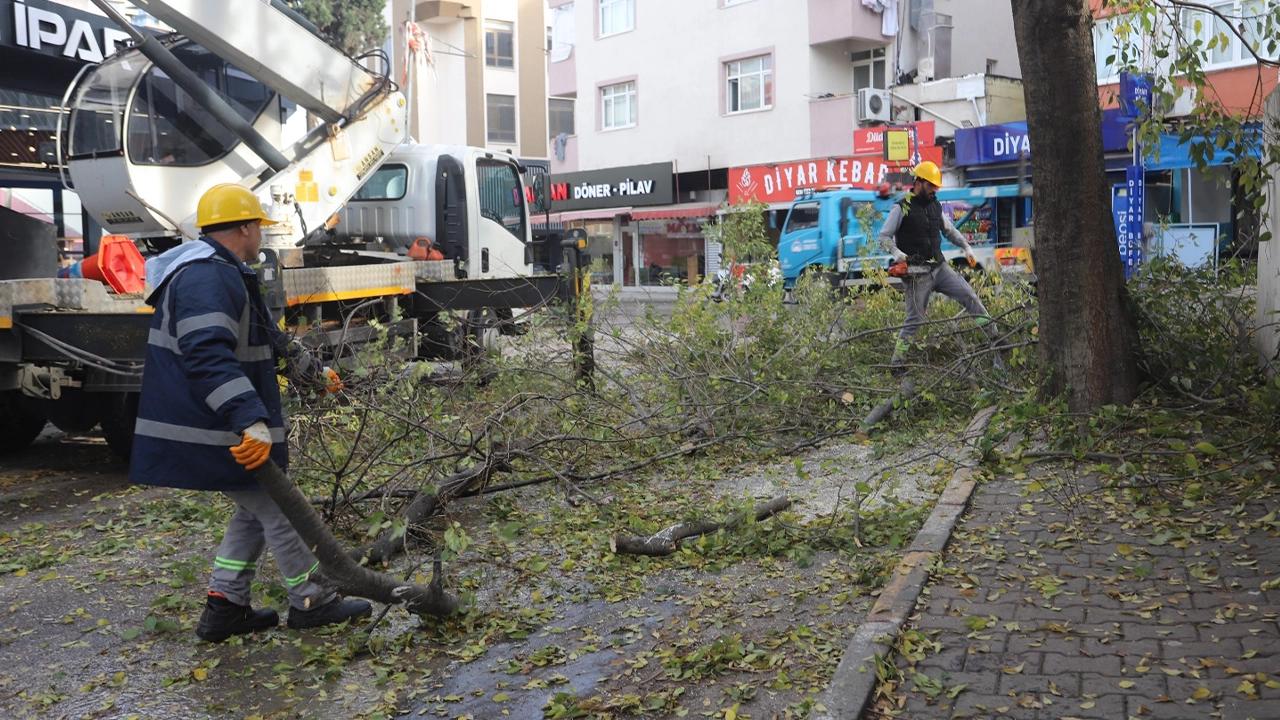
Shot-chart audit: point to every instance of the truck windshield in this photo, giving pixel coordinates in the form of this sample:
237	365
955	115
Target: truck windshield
802	217
502	195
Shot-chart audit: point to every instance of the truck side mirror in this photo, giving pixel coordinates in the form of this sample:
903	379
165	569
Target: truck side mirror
540	182
845	205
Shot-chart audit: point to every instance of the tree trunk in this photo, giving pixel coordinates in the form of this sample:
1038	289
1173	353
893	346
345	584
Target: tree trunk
1088	338
337	567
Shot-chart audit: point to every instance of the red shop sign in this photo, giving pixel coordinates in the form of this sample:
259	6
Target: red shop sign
870	140
778	182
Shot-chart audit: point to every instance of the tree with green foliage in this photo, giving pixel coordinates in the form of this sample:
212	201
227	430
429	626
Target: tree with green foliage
355	26
1088	338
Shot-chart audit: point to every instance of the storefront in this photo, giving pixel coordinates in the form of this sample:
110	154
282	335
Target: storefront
636	234
1176	194
43	45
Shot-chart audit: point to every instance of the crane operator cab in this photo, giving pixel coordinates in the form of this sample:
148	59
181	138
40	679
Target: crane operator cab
140	151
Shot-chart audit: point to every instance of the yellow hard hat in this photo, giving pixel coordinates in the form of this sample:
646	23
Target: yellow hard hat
929	172
228	203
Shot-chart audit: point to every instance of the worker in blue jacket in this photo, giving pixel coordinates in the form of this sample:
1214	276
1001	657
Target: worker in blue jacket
210	412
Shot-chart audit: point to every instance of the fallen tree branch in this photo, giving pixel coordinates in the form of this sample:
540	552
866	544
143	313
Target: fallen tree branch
423	505
882	411
337	567
668	541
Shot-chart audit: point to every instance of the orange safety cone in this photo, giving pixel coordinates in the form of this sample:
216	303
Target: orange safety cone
117	263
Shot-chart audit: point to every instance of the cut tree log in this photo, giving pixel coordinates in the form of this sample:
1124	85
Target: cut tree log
668	541
336	565
885	408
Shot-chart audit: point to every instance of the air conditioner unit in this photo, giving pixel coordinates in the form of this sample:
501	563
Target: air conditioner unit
873	105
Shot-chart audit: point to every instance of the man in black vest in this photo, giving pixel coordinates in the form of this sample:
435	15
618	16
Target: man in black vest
913	234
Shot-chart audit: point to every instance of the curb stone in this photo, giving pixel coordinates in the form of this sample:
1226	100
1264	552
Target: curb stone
855	677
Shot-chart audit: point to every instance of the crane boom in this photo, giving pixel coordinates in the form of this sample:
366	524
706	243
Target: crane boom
267	44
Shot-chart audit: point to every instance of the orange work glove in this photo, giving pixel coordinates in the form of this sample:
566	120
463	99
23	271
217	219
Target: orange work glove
898	269
333	381
255	446
973	259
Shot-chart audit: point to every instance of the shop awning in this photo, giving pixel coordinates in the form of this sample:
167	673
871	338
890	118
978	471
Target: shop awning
598	214
673	212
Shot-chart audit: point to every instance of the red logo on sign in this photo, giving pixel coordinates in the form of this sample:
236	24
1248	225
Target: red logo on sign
559	192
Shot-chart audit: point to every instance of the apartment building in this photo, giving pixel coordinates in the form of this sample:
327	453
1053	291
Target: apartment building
478	75
1181	198
667	110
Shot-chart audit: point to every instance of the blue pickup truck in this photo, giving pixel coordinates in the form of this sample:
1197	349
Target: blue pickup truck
834	231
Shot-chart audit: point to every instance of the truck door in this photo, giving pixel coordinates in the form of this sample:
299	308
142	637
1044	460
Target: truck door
504	220
800	244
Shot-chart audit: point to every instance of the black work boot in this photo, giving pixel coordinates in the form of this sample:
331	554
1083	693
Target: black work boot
331	613
222	618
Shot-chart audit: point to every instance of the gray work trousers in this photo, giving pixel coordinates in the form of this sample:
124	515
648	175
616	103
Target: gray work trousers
918	288
257	523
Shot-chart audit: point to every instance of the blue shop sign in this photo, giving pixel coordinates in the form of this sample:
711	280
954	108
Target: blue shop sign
1135	95
1005	142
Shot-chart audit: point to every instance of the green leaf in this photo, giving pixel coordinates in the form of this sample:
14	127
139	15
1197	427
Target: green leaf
1207	448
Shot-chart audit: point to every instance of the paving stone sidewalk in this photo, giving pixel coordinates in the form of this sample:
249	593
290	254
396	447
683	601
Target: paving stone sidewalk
1107	610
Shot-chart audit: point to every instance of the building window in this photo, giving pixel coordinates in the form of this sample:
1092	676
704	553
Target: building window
1107	48
617	16
500	110
618	105
560	116
869	69
499	46
749	84
1228	48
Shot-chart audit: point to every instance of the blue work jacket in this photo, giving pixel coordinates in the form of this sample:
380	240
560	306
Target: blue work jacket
210	371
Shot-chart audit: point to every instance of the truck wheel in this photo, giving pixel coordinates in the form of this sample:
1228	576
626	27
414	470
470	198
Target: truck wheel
119	413
74	412
475	334
19	422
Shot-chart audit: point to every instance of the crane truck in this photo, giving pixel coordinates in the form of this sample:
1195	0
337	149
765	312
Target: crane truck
434	243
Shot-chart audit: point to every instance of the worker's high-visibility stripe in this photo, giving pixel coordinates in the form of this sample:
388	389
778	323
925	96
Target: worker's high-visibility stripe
299	579
236	565
254	353
222	394
195	436
208	320
162	339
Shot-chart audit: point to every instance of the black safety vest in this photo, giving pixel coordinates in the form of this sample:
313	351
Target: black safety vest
920	233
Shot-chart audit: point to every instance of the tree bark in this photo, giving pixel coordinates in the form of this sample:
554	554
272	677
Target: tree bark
1088	337
878	414
420	508
337	567
667	541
